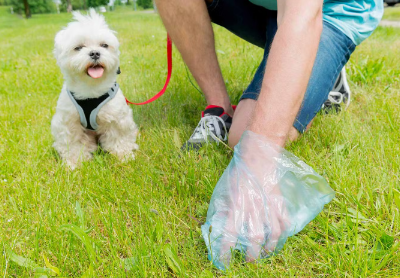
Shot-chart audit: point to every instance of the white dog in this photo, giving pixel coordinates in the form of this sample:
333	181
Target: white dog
91	108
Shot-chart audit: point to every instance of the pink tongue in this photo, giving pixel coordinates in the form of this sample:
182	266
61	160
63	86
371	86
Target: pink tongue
96	72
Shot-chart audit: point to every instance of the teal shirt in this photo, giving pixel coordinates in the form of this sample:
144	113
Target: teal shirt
357	19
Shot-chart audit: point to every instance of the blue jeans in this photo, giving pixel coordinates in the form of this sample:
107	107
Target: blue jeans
258	26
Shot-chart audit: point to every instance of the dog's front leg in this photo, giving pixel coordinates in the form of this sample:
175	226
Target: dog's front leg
119	138
72	142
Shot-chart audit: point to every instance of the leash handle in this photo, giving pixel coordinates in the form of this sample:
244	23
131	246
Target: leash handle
159	94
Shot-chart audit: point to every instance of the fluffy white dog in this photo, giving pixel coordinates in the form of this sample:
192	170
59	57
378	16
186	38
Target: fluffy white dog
91	108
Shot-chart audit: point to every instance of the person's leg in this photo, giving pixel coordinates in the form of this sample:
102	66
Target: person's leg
189	25
334	51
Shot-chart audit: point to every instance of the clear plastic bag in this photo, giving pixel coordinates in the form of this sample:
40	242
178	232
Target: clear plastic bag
264	196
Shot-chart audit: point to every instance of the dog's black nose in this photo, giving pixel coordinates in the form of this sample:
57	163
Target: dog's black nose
94	54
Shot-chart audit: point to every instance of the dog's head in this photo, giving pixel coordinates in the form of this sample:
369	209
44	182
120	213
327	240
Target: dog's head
87	50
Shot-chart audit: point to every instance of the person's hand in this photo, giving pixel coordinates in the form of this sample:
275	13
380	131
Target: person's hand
265	195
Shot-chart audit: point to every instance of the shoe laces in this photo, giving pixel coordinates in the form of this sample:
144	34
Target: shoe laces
335	97
208	126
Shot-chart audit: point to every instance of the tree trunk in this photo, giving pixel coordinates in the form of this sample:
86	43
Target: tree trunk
69	6
27	9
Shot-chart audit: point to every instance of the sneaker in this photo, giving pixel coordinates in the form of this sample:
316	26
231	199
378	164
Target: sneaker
340	94
213	127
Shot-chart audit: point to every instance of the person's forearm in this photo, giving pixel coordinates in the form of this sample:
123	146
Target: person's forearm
286	77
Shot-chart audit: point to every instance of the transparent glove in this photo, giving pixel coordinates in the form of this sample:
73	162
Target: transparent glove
264	196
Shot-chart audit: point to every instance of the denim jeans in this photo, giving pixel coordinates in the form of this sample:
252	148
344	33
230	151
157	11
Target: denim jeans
258	26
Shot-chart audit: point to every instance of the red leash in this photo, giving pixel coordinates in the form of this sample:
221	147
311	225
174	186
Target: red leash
159	94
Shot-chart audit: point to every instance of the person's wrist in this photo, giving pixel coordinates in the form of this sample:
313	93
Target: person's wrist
278	138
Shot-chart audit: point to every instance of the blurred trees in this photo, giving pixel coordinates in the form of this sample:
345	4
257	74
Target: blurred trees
5	2
145	4
97	3
48	6
29	7
81	4
70	5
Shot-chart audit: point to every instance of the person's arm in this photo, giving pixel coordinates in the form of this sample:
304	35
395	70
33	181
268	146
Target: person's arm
288	70
254	206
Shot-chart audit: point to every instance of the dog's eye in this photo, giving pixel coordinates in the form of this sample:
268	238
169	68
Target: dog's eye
78	48
104	45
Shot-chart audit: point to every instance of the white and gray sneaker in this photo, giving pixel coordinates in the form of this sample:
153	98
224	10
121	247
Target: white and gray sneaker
340	94
212	128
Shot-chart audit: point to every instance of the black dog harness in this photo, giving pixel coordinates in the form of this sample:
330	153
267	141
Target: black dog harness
90	107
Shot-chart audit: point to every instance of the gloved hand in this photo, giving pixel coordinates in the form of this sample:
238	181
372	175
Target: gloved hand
264	196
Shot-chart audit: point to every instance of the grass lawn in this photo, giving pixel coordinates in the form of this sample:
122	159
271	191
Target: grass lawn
392	13
141	219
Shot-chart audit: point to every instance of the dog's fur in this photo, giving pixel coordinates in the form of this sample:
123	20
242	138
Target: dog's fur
117	131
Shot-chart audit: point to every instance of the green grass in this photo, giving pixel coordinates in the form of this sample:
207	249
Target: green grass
392	13
141	219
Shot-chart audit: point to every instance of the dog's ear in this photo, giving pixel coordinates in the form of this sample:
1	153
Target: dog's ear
118	71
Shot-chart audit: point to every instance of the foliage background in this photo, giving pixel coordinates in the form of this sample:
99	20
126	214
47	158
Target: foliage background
145	4
48	6
36	6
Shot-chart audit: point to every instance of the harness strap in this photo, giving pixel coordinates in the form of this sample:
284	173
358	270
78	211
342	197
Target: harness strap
159	94
89	108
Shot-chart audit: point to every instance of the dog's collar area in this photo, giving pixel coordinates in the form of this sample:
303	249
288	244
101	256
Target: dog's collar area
90	107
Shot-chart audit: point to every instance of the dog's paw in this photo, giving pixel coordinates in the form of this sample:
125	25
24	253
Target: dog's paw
74	162
124	154
71	165
126	157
